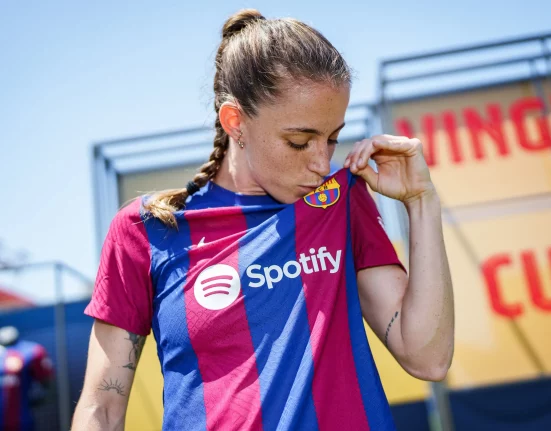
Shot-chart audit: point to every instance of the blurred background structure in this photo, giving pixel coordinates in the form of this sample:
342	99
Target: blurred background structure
481	106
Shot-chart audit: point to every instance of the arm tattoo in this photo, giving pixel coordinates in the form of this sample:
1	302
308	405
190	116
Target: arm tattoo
388	328
137	345
116	386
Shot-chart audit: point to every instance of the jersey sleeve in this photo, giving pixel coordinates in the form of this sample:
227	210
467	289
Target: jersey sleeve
123	291
370	243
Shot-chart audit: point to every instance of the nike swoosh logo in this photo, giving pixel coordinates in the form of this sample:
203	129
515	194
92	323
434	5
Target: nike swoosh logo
201	243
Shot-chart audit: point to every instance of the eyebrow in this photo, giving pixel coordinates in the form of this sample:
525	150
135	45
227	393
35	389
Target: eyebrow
310	131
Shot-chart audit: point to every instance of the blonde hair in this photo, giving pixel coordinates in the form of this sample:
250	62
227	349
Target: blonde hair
255	56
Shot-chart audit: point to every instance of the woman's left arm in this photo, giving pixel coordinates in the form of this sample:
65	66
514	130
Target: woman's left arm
413	316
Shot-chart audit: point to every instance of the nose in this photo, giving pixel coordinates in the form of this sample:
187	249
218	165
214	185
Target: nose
320	161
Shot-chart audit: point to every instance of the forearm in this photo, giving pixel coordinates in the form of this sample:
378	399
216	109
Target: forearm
97	418
427	315
113	356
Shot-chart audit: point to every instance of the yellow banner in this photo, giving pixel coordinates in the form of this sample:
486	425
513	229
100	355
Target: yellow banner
483	145
502	285
489	153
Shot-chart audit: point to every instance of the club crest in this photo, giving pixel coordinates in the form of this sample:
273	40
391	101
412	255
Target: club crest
325	195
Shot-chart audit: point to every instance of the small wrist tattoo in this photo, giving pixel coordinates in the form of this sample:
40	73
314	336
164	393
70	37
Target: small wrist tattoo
388	327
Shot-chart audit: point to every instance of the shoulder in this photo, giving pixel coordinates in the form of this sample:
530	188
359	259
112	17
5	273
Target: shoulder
355	185
128	222
345	178
133	211
131	214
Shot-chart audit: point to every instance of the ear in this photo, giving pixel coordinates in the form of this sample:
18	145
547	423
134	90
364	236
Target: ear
230	118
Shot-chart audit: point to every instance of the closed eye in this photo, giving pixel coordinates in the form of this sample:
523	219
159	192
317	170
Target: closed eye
297	146
304	146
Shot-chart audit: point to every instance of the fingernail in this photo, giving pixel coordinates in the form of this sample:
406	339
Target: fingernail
360	161
353	167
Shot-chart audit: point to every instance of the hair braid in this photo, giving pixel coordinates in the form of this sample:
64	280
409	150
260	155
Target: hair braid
163	204
209	170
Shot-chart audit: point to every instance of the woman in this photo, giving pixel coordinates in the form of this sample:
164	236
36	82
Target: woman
255	277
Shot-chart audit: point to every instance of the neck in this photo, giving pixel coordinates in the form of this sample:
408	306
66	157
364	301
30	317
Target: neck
235	175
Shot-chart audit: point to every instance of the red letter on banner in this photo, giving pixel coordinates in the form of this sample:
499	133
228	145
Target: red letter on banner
403	127
534	281
427	124
451	128
493	127
518	113
489	269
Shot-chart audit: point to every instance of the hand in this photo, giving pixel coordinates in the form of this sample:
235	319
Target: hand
402	173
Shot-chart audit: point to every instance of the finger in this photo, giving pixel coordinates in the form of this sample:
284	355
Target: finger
365	154
347	161
352	157
371	177
394	145
352	154
389	137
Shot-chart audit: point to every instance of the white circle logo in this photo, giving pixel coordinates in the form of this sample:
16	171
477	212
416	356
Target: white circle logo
217	287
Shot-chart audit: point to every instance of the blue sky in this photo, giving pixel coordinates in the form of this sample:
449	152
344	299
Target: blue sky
73	73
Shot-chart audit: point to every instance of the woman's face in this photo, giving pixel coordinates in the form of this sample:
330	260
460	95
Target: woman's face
289	143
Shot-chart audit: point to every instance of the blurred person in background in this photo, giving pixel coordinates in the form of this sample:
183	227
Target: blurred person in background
26	374
256	276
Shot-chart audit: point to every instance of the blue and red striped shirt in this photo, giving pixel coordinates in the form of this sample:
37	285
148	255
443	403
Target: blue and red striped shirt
254	307
21	364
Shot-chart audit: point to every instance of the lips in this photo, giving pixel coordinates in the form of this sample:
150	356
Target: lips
308	189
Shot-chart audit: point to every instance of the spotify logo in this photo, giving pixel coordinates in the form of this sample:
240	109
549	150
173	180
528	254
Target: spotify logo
217	287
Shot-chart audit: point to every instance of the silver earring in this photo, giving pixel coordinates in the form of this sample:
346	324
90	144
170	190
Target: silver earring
241	144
